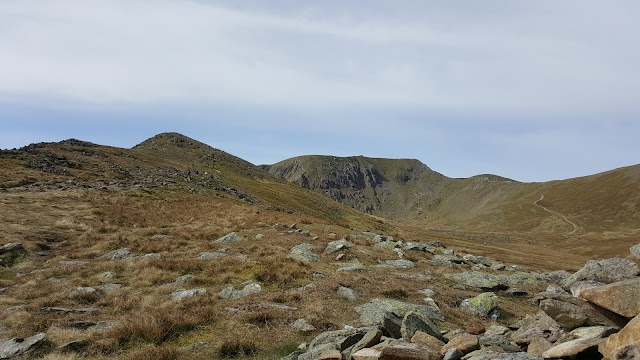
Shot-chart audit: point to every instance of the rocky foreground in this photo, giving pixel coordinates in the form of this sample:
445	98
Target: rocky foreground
592	314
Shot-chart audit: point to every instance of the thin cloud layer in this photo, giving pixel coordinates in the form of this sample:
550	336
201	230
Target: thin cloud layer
502	55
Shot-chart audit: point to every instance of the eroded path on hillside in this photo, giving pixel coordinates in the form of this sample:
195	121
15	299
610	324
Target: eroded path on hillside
536	203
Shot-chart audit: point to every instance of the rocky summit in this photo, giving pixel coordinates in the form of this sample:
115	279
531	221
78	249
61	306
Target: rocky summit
176	250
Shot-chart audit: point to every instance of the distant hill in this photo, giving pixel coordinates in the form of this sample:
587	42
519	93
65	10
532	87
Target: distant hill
408	190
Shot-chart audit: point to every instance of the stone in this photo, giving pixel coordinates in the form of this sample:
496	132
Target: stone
294	355
480	305
105	275
628	352
629	335
422	338
352	268
151	256
498	341
330	355
537	326
366	354
371	338
335	246
571	348
499	329
393	325
408	351
538	346
347	293
414	322
486	281
571	312
228	239
453	354
482	260
622	297
427	292
466	343
182	294
304	252
445	260
75	346
18	346
396	264
303	326
486	354
578	287
232	294
635	251
11	253
259	237
373	312
120	254
211	255
593	332
606	271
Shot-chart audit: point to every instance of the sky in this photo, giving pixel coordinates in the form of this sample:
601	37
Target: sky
530	90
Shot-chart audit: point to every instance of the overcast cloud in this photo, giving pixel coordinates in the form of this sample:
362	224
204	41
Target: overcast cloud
529	89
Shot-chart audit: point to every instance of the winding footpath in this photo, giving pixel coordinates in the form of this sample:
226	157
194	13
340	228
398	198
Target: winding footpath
575	227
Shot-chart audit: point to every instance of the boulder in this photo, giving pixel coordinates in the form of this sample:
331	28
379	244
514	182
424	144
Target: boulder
486	354
535	327
182	294
371	338
538	346
373	312
573	348
571	312
233	294
605	271
347	293
593	332
422	338
18	346
498	341
466	343
629	336
366	354
408	351
393	325
414	322
486	281
453	354
330	355
228	239
622	297
480	305
304	252
635	251
335	246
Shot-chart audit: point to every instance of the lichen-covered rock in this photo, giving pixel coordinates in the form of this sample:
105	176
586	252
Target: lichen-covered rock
480	305
304	252
605	271
11	253
373	312
120	254
396	264
347	293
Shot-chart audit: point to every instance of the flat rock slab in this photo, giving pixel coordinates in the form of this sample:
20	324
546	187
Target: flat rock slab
366	354
571	348
70	310
622	297
232	294
182	294
17	346
408	351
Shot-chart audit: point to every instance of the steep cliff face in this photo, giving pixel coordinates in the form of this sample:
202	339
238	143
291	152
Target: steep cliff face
393	188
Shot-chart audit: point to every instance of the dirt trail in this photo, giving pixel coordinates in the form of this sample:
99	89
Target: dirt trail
536	203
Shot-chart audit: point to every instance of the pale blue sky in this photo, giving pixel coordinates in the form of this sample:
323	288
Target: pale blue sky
532	90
